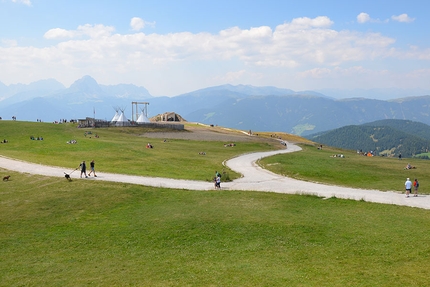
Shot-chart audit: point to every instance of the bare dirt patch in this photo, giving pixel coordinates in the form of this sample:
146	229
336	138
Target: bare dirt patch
205	133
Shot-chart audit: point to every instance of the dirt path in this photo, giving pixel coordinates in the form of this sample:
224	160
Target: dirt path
254	179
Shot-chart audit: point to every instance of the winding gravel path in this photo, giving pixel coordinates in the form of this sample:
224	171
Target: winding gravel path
254	178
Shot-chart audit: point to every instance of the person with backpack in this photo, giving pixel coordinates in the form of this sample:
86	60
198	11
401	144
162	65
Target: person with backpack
416	185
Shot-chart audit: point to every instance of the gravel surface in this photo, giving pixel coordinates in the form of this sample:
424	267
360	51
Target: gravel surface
203	133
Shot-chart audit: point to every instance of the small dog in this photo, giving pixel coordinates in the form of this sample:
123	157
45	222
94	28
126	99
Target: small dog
6	178
67	176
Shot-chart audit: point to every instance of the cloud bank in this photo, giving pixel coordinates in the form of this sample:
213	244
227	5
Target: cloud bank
304	48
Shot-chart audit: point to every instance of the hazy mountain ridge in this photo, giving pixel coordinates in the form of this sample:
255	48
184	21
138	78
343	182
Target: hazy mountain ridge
242	106
20	92
80	100
376	93
384	137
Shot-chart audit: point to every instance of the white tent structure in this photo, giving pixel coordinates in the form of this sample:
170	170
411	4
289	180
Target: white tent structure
115	118
142	118
122	119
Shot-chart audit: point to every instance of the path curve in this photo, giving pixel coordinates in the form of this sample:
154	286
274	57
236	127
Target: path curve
254	178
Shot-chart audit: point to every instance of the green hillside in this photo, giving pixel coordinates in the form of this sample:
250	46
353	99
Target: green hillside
97	233
123	149
410	127
385	138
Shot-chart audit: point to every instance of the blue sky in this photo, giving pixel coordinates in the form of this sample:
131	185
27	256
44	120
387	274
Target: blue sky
174	47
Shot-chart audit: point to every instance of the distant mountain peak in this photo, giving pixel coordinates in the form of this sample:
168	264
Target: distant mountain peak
87	84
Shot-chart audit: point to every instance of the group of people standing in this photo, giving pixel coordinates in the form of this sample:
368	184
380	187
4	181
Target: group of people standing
408	187
83	167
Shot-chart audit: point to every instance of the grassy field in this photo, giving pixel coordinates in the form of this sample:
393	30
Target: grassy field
121	150
56	233
353	170
80	233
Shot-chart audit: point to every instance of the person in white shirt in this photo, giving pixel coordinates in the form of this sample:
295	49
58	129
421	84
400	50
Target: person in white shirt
408	187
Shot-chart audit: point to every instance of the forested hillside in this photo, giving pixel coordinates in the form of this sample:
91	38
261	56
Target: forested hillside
410	127
385	137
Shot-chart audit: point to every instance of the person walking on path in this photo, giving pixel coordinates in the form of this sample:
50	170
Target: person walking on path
217	179
83	168
408	187
92	164
218	182
416	185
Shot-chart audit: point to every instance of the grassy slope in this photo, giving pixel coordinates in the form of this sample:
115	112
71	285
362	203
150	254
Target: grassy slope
56	233
354	170
120	150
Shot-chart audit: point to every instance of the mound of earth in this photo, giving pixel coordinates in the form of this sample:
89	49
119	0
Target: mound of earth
168	117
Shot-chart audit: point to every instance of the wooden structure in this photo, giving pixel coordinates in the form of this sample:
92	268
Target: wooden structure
135	110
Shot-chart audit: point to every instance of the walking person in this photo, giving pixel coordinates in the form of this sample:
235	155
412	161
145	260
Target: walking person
218	182
217	179
83	168
408	187
416	185
92	164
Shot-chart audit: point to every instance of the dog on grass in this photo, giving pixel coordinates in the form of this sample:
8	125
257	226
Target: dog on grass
6	178
67	176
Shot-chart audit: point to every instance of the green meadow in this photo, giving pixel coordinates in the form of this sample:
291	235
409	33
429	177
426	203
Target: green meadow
94	233
121	150
353	170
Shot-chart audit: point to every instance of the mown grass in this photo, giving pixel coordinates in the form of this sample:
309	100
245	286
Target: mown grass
59	233
380	173
121	150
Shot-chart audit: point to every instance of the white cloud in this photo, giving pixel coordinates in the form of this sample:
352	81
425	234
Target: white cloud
363	18
26	2
292	44
59	33
318	22
404	18
137	24
92	31
306	47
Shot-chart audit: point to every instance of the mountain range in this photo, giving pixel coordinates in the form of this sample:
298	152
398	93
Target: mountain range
242	107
